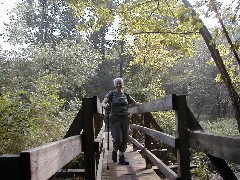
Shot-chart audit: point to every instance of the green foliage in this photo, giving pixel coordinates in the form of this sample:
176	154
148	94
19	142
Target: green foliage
24	114
93	14
150	57
166	121
158	34
71	63
40	22
221	126
46	95
77	162
231	66
170	20
201	161
35	85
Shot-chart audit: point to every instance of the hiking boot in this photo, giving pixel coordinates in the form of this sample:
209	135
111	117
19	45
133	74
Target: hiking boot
114	156
122	160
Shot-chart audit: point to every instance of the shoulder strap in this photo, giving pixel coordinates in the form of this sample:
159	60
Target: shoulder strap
128	97
111	94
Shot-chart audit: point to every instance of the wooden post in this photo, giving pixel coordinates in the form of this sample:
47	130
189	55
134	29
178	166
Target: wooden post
183	154
134	135
25	172
97	124
10	166
97	127
88	138
147	141
98	115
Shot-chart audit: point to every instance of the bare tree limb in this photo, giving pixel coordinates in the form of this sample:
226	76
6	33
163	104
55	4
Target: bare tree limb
220	65
162	32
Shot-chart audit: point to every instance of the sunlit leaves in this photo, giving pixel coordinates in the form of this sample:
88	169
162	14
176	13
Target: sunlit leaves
231	65
223	126
167	121
23	112
161	33
147	50
93	14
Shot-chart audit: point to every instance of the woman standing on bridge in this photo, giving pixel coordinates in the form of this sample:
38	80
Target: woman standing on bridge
119	118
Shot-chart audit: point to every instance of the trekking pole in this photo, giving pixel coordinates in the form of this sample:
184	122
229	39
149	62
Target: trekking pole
108	112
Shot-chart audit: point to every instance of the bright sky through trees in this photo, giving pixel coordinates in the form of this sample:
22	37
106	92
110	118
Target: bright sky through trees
7	6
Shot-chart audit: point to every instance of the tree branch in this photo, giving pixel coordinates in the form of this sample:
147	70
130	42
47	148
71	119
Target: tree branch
163	32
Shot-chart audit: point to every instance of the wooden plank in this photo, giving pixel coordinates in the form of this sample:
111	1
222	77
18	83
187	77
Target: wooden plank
98	142
44	161
134	132
10	166
227	148
183	153
220	164
169	140
102	156
98	122
155	126
169	173
147	142
98	108
135	170
162	104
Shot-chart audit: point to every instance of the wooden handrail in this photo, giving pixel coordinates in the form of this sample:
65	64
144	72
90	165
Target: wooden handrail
167	139
217	148
163	104
41	162
44	161
223	147
157	162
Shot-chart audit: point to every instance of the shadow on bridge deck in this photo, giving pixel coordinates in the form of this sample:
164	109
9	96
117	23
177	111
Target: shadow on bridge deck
136	170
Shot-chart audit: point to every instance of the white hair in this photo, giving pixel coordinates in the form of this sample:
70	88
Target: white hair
117	80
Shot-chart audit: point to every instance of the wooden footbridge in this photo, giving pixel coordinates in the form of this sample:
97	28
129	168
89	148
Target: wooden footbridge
87	136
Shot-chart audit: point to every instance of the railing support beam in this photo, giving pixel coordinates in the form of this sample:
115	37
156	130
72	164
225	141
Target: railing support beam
183	154
88	138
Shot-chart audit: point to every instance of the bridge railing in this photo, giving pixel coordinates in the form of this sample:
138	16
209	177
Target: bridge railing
41	162
85	135
189	134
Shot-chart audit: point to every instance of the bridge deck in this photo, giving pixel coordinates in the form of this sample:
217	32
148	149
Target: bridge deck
136	170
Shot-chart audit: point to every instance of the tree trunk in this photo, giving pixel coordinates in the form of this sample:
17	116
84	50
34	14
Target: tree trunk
220	65
121	59
214	8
